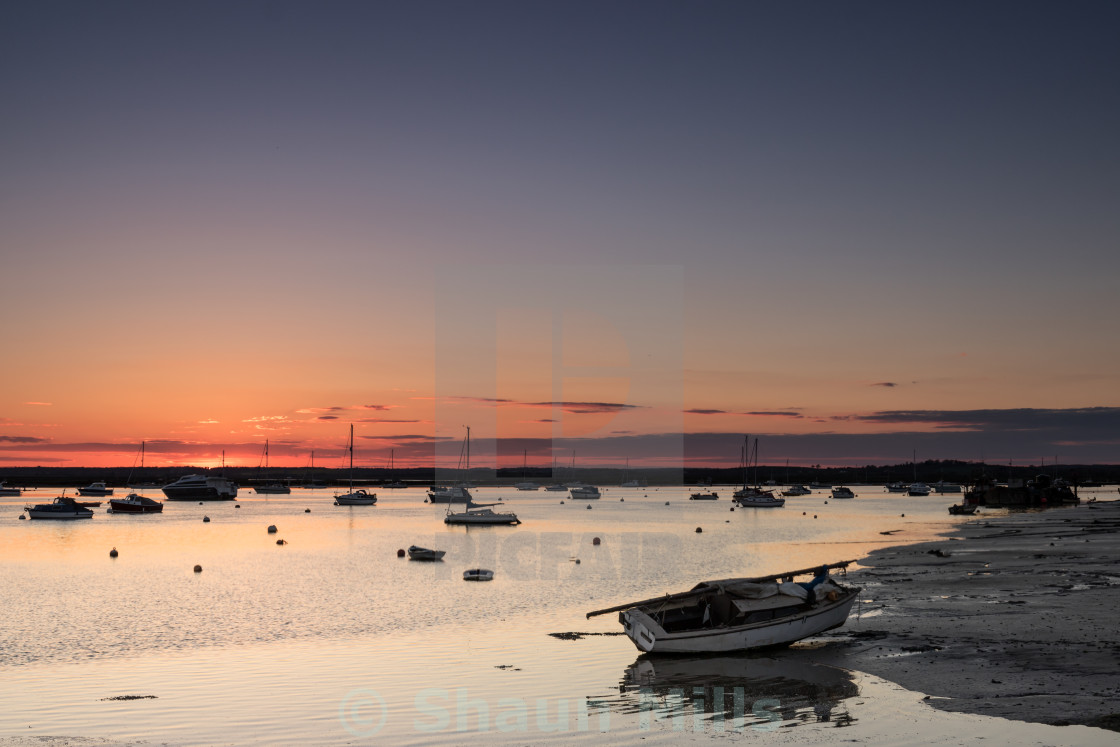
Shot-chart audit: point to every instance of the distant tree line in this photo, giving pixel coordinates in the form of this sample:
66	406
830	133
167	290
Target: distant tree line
929	471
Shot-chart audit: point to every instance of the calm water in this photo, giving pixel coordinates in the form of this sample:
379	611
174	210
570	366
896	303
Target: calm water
333	639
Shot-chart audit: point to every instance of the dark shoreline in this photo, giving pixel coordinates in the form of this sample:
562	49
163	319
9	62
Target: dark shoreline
1016	616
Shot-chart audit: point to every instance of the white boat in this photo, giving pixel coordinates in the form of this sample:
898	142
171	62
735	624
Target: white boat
759	499
449	494
478	574
95	488
754	497
455	493
795	490
61	508
586	493
738	614
7	491
840	492
897	487
359	497
201	488
476	516
135	504
422	553
555	488
918	488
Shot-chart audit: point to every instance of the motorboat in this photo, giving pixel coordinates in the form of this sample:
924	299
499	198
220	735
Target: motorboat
274	488
478	574
422	553
918	488
61	508
359	497
585	492
95	488
704	497
394	485
135	503
897	487
738	614
480	516
9	491
796	490
947	487
201	488
840	492
527	486
555	488
755	498
449	494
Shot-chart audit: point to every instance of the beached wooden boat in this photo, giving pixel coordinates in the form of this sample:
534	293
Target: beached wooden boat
738	614
478	574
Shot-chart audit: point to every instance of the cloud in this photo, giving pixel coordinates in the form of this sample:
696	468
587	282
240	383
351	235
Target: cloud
23	440
586	408
697	411
386	420
208	422
577	408
327	417
1018	419
775	414
40	404
887	384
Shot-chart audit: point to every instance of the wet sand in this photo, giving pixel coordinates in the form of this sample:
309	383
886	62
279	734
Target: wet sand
1015	616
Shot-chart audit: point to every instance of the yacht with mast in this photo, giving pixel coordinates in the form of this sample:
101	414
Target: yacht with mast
273	486
754	497
455	493
359	497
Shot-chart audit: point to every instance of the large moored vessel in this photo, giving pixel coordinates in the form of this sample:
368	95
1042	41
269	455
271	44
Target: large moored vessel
201	488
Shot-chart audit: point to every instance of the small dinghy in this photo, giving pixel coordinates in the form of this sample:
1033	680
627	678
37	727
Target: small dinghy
738	614
478	574
416	552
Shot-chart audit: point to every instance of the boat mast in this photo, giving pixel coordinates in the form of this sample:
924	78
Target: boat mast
351	449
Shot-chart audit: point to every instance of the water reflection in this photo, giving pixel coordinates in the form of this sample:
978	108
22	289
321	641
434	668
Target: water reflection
737	691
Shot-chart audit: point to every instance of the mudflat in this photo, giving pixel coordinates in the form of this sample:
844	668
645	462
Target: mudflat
1016	616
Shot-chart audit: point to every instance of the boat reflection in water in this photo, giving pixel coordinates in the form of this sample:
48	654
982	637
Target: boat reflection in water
735	691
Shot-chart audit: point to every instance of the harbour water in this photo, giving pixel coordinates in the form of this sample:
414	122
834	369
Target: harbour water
332	639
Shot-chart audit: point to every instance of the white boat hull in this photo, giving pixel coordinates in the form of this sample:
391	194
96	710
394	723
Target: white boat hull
648	636
358	498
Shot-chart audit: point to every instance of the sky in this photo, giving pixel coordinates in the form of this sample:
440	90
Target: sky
608	232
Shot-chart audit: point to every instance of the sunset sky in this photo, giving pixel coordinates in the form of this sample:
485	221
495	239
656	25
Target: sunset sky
628	230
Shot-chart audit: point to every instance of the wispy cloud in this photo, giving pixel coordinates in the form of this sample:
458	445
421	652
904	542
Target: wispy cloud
775	414
23	440
39	404
577	408
888	384
698	411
